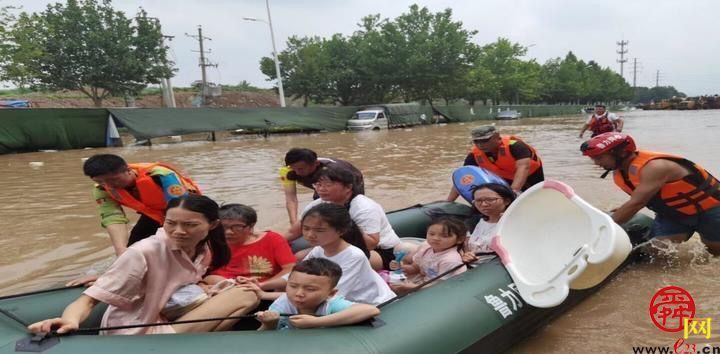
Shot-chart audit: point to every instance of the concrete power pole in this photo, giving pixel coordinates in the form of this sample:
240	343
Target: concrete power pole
166	85
634	72
622	53
204	63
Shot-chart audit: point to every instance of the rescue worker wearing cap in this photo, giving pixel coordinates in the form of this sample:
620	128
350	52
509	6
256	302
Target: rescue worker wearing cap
602	121
684	196
504	155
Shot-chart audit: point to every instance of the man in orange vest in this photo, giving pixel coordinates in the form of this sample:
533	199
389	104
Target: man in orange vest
684	196
506	156
145	188
602	121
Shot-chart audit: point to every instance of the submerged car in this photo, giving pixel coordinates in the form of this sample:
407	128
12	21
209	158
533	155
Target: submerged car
507	115
369	119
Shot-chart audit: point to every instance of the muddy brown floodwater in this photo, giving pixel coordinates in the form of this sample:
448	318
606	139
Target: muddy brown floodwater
49	228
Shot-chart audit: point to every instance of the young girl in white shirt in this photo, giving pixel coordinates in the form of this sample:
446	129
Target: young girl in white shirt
491	200
329	228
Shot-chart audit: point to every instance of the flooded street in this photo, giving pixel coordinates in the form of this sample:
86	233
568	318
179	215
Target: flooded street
50	232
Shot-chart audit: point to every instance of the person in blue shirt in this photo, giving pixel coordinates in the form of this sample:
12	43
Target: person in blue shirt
310	301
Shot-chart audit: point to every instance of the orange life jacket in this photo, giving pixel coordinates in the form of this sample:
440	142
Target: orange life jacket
601	124
688	196
152	201
504	165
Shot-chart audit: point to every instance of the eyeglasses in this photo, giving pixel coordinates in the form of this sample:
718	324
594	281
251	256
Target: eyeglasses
236	228
486	201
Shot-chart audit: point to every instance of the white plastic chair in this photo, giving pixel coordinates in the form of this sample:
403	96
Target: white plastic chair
551	240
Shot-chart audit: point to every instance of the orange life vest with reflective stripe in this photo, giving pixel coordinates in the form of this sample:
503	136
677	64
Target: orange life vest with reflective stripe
504	165
152	201
694	193
601	124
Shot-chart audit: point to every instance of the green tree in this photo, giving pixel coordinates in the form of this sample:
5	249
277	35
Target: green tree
550	84
20	49
343	78
571	80
439	54
86	45
381	53
5	19
479	85
502	60
529	86
422	55
302	68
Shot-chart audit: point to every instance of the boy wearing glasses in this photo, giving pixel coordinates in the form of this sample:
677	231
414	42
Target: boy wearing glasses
504	155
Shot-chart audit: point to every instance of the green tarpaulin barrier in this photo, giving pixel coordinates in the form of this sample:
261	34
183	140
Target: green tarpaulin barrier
156	122
409	113
60	129
23	130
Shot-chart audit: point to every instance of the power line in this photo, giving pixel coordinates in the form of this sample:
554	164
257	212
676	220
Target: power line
622	53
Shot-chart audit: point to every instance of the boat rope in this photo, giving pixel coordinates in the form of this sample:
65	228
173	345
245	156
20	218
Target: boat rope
421	285
93	330
39	292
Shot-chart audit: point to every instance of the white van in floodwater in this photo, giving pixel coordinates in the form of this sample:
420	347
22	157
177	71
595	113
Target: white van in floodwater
369	119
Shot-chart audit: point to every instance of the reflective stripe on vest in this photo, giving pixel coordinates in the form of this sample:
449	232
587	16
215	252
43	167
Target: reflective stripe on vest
694	193
504	166
601	124
152	197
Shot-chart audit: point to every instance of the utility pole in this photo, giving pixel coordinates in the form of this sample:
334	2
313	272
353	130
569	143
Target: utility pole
166	85
281	93
204	63
657	79
622	53
634	72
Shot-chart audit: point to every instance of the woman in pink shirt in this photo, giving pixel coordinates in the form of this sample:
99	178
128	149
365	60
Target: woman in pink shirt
140	282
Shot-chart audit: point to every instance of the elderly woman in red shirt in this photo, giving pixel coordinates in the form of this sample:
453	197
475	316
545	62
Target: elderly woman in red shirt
255	256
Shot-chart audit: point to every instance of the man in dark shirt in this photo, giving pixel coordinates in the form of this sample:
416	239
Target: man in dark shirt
303	167
506	156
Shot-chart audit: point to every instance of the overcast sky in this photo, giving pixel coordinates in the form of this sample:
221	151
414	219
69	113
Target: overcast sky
679	39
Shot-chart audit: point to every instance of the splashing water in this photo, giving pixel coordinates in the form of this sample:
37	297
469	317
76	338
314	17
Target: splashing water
672	255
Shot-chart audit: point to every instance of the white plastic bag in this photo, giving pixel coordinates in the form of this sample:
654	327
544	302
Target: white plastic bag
184	300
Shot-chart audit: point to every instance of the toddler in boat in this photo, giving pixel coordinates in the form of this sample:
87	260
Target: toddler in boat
440	253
